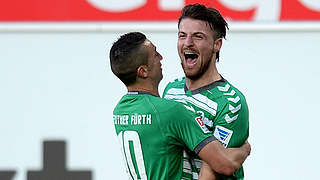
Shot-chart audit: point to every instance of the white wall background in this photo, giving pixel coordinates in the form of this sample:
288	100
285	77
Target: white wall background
58	85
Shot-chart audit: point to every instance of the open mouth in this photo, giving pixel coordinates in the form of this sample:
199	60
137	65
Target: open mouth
190	57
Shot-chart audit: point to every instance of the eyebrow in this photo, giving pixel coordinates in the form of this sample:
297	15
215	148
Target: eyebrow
195	33
192	33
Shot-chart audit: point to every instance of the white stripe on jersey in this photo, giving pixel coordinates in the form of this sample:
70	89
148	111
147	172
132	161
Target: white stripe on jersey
230	93
176	91
186	166
206	100
195	175
198	100
198	163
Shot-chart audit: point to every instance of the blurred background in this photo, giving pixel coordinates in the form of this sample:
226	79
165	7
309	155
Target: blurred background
57	91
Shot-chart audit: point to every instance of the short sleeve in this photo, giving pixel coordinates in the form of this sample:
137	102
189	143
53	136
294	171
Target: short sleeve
189	129
231	126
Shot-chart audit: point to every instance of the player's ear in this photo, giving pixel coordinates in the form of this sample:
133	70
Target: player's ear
217	45
142	71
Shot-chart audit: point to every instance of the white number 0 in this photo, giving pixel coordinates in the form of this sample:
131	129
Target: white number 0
125	137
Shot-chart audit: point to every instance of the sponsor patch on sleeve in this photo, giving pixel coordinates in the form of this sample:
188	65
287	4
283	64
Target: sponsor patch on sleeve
201	124
223	135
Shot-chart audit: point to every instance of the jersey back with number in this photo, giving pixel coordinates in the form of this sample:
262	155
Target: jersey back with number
153	133
224	111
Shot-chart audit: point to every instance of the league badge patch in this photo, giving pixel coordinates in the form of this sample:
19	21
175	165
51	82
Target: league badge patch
223	135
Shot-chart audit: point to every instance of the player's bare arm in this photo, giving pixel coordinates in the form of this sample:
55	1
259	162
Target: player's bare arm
206	173
224	161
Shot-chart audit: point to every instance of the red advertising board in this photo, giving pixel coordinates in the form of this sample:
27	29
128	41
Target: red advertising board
150	10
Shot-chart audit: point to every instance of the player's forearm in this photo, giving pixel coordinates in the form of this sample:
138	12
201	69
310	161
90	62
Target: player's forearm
236	157
206	173
222	160
218	158
239	155
228	165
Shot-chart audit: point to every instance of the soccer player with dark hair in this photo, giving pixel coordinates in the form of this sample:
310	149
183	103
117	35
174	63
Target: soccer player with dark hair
223	107
153	132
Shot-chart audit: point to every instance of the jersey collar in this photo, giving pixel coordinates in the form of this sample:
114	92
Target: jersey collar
206	87
139	92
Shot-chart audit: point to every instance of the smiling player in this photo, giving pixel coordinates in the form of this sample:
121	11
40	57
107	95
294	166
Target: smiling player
223	107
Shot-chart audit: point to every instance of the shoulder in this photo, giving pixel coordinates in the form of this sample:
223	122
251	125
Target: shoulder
166	105
232	121
232	104
179	80
176	83
174	86
229	100
226	93
172	113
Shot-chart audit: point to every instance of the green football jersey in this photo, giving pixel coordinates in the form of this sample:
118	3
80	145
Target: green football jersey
224	111
153	133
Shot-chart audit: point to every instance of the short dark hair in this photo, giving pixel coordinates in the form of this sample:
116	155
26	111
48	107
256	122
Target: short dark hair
208	14
126	56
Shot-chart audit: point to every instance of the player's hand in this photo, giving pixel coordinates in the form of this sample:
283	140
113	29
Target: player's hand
246	147
206	173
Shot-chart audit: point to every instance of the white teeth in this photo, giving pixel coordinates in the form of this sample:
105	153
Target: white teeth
190	53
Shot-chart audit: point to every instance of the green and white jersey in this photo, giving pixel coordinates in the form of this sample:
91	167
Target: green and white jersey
224	112
153	133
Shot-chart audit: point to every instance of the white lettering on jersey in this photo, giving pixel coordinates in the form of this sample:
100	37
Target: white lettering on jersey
140	119
121	119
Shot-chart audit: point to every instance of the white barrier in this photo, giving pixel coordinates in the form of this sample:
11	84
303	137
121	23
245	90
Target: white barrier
153	27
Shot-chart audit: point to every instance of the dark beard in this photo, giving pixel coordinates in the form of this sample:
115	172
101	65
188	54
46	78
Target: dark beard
202	70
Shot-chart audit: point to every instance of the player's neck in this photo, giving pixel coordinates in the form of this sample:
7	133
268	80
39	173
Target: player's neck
144	88
208	77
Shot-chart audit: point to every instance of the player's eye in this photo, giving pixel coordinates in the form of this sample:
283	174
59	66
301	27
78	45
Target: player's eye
198	36
182	35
